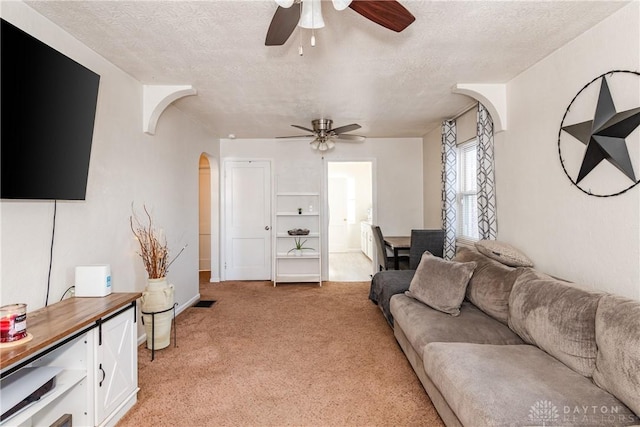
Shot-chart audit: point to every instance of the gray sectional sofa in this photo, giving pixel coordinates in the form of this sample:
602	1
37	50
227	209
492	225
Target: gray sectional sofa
526	349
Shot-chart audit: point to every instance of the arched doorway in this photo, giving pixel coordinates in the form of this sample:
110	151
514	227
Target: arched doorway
209	222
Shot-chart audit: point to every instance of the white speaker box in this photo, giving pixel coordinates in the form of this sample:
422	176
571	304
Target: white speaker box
93	280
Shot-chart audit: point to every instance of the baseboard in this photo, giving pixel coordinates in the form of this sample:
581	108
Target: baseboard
143	338
214	280
188	304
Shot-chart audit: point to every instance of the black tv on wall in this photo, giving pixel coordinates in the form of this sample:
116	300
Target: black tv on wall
47	113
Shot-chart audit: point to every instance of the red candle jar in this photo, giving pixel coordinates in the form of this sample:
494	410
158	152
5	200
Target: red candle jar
13	322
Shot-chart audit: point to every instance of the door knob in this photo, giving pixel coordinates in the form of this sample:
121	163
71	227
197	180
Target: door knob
266	227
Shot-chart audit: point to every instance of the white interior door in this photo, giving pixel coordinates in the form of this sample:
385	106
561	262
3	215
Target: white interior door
247	220
337	214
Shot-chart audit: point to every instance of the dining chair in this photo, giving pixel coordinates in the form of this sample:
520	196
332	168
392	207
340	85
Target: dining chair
425	240
384	254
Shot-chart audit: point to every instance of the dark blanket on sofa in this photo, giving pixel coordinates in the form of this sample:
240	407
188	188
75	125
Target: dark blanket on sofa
386	284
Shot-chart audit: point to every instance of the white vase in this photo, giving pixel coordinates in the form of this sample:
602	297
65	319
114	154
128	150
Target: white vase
157	296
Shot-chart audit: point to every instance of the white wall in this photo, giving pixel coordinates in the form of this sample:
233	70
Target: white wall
126	167
589	240
397	173
432	160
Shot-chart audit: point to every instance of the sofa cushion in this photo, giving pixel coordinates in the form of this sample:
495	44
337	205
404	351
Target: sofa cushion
556	316
517	385
618	338
422	324
441	284
490	285
504	253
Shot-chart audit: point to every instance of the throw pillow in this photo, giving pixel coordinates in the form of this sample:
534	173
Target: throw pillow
504	253
441	284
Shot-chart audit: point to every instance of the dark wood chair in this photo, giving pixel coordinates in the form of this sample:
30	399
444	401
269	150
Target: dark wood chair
384	254
425	240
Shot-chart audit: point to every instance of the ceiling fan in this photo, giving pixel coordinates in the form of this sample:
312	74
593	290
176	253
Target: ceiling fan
324	136
307	14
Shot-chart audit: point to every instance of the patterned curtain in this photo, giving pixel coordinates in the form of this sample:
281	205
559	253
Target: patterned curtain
487	221
449	167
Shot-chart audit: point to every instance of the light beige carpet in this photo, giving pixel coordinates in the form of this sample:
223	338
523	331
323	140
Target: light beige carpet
298	355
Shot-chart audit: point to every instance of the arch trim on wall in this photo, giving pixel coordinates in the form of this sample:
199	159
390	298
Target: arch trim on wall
493	96
156	98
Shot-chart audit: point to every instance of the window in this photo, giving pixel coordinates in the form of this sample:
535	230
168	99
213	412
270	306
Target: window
467	200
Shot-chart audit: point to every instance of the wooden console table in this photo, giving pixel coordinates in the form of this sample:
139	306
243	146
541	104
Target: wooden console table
92	340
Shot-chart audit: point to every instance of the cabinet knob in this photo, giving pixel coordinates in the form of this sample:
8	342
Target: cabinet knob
266	227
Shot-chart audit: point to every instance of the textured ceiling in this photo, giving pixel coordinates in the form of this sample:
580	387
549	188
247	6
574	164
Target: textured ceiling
393	84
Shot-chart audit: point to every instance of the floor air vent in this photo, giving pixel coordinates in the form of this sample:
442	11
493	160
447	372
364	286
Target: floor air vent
205	303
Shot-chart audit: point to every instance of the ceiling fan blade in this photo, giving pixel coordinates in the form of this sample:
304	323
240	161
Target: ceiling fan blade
304	128
295	136
346	128
388	13
283	23
351	137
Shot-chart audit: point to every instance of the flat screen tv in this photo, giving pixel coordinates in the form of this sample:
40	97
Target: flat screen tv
47	112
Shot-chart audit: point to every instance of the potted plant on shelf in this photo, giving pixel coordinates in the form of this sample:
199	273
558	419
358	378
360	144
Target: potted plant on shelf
158	294
299	247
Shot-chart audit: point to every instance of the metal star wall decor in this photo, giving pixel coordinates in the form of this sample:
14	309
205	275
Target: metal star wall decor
604	136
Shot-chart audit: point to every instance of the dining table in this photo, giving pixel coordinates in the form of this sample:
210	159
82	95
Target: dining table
397	244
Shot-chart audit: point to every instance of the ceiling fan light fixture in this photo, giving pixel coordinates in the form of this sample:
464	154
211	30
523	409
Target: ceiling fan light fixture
285	3
323	146
330	144
311	14
341	4
315	144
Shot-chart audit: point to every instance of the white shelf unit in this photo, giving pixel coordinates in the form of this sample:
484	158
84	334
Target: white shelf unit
289	267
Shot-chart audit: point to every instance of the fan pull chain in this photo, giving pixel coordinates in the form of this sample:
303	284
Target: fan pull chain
300	51
313	28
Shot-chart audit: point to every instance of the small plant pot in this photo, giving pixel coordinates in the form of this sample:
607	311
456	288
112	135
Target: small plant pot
297	252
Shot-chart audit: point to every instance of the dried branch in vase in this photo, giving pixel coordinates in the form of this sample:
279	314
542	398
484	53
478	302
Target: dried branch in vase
153	247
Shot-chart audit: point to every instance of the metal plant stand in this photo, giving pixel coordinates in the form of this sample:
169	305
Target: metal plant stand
153	327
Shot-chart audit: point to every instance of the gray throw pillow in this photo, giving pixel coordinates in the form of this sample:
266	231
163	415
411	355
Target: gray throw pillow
441	284
503	252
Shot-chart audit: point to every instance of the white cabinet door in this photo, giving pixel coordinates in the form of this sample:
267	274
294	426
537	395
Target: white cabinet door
116	364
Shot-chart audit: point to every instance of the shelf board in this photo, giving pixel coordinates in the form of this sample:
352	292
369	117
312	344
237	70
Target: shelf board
298	278
297	214
307	255
64	382
295	193
303	236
